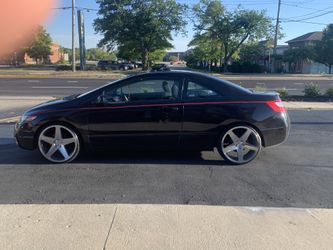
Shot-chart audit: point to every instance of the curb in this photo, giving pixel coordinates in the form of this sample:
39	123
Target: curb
13	119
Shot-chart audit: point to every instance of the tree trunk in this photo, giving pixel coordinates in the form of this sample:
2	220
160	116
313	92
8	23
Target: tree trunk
145	59
330	69
225	59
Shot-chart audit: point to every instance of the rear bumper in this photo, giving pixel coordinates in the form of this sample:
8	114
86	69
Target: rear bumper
277	135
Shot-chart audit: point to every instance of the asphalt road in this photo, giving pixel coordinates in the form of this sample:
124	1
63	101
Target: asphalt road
298	174
62	87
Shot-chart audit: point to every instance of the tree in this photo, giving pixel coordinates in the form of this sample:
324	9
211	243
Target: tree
143	25
69	52
251	52
95	54
208	47
324	48
40	47
232	29
295	55
128	51
157	55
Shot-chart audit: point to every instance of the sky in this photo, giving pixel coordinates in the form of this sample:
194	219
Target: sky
298	17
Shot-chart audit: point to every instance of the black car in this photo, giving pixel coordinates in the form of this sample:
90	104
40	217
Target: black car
162	110
160	67
114	65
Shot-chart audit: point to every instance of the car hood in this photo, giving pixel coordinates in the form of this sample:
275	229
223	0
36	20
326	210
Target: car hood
50	105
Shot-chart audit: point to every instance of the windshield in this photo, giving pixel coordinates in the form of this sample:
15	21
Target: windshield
96	89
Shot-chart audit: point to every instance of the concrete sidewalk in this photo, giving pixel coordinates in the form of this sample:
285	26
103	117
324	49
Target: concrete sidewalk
11	107
130	226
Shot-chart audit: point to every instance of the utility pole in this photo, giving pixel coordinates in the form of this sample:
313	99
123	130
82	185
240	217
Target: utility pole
73	36
82	44
276	37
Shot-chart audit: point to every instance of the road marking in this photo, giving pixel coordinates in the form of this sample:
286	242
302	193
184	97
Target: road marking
58	87
33	81
72	81
298	83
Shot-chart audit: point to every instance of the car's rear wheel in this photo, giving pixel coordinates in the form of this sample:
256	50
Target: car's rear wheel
240	144
58	143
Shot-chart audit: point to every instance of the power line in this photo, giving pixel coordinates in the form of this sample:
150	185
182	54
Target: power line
312	17
295	21
77	8
311	13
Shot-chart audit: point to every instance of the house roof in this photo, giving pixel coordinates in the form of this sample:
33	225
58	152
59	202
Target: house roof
312	36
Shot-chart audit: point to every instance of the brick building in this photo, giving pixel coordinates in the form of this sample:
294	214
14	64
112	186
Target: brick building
20	57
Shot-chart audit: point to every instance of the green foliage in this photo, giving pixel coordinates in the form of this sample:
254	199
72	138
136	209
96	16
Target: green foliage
173	58
244	67
324	48
157	55
95	54
231	29
283	92
40	47
329	92
312	90
251	52
292	56
144	26
298	54
69	52
66	67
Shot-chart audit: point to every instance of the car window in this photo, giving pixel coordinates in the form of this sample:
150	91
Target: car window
147	90
196	90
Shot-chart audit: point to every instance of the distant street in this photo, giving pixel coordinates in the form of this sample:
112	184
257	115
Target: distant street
62	87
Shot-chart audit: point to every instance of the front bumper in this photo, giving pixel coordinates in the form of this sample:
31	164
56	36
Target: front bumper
24	135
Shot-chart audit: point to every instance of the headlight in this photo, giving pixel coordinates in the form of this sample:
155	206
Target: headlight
27	118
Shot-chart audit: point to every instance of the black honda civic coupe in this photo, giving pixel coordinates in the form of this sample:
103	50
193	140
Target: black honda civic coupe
163	110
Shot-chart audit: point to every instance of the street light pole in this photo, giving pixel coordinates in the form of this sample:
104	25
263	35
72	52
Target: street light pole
73	36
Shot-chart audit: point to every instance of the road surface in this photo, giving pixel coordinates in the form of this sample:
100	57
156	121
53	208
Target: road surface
62	87
297	174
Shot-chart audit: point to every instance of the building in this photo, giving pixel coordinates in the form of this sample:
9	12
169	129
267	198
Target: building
266	60
19	57
307	66
179	55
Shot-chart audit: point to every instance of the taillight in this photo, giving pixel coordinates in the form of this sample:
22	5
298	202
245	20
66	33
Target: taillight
277	106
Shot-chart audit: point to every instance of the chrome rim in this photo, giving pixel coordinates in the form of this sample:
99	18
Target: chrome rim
241	144
58	143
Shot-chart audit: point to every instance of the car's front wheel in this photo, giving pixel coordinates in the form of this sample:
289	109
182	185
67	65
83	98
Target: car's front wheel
58	143
240	144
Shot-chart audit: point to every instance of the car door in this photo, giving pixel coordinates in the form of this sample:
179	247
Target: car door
203	115
140	113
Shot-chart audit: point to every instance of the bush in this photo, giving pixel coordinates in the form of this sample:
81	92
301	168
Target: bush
312	90
283	92
66	67
244	67
235	67
329	92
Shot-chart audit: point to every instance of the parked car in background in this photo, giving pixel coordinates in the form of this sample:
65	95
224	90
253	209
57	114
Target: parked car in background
161	110
114	65
160	67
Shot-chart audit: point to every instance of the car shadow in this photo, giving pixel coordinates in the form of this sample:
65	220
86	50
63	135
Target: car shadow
115	157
